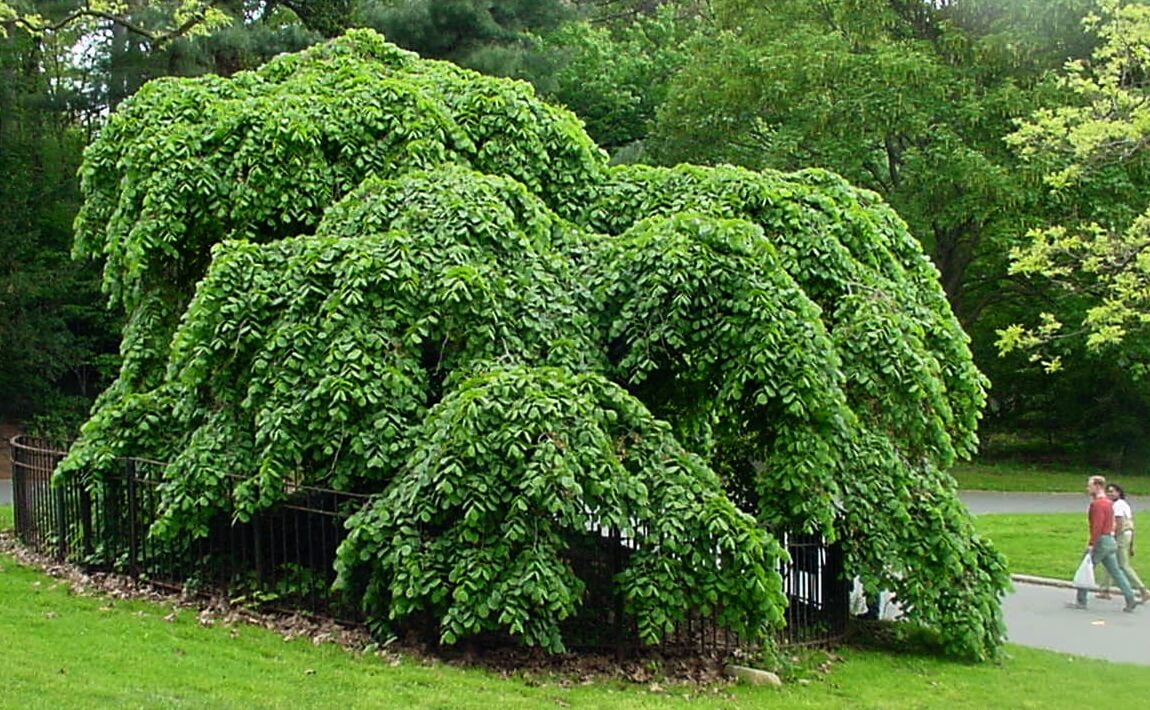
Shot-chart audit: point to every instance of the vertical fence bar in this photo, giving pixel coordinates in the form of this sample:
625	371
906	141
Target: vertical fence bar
61	515
324	547
85	511
616	543
14	453
133	510
34	506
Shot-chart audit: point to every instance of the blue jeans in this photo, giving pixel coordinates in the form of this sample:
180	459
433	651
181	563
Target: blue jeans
1106	554
1125	541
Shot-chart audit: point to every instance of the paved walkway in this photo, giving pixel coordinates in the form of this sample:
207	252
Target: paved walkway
1036	613
5	492
979	502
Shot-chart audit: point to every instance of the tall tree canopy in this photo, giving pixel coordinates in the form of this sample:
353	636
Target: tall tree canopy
363	270
155	21
909	99
613	76
913	100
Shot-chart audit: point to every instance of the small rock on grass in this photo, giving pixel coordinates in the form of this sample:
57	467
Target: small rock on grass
753	676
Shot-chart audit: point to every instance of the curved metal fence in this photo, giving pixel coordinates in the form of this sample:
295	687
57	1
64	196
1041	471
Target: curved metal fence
284	558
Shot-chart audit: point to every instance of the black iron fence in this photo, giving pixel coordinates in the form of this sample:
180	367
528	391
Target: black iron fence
284	558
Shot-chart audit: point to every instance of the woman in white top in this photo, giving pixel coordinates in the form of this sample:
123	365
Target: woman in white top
1124	535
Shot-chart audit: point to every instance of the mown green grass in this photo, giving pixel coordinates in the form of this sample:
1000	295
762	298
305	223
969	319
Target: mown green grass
1038	479
1048	544
66	651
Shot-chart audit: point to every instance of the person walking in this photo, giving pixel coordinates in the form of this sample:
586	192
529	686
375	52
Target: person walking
1124	536
1102	547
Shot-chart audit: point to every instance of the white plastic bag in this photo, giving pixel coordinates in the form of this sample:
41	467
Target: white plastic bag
1084	577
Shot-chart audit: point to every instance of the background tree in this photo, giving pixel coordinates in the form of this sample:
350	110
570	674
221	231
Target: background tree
492	37
156	21
1093	154
64	65
908	99
55	336
913	100
613	76
1088	259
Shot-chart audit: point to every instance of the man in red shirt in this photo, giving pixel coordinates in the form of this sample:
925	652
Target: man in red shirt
1102	547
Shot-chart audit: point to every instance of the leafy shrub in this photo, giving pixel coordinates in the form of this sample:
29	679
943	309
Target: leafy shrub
361	270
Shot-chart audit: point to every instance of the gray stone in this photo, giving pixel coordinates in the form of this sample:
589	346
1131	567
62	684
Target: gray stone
752	676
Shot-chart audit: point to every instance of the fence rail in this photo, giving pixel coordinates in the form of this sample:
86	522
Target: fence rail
284	558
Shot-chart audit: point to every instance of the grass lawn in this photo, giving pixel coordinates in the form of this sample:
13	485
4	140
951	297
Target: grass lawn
1042	479
65	651
69	651
1049	544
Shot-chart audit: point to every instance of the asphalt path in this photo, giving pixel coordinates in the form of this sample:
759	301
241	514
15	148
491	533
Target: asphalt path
5	491
979	502
1036	615
1035	612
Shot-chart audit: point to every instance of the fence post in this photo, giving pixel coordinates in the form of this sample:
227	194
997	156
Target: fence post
18	492
61	519
85	511
133	546
616	541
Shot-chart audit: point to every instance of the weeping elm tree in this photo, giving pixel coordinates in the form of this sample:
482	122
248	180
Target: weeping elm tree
357	269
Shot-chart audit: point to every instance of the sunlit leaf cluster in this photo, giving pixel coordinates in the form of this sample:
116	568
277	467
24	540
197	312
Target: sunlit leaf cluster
1093	152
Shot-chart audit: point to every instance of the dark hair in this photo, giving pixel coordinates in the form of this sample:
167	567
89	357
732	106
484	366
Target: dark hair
1118	489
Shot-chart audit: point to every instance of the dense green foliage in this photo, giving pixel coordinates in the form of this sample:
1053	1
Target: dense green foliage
613	78
358	269
863	410
514	462
260	157
55	338
913	100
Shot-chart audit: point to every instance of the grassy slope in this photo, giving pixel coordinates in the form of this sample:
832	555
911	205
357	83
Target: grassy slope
71	651
74	651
